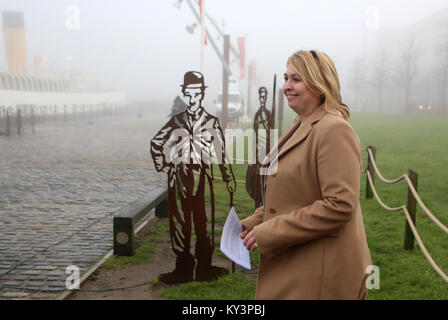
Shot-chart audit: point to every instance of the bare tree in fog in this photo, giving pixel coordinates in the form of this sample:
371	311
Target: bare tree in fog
379	75
445	78
409	70
356	80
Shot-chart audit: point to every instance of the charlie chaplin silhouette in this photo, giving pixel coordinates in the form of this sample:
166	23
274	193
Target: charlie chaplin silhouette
262	120
186	148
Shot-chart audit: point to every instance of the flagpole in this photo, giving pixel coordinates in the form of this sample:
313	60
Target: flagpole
202	9
248	75
209	37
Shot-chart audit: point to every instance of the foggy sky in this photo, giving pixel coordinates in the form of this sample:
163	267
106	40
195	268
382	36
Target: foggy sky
143	48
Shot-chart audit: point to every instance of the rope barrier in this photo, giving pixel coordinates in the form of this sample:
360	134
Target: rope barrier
411	225
378	198
422	247
379	173
411	187
406	212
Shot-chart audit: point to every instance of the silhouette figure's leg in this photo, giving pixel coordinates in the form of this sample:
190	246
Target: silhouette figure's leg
204	245
180	241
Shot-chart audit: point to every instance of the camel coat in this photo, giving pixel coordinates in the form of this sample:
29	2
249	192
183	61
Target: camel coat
310	231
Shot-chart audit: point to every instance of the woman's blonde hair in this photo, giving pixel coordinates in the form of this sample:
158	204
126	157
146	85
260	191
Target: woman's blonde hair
317	71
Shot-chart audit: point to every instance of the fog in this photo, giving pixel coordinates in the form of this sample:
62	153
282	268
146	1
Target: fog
143	47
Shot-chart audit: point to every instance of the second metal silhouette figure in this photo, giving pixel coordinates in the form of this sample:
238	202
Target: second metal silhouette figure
262	123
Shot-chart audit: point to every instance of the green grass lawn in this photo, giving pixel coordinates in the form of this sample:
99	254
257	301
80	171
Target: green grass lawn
234	286
416	142
419	143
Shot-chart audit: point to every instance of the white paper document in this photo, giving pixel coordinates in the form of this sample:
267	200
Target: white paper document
231	243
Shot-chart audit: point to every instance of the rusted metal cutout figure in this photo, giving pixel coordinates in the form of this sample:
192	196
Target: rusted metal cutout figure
264	121
186	148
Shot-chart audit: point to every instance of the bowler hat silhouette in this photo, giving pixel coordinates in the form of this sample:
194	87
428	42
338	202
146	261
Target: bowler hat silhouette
193	78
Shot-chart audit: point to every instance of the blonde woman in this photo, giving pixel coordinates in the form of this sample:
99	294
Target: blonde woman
310	230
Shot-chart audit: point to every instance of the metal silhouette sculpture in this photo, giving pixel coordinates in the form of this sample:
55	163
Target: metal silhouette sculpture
186	148
264	120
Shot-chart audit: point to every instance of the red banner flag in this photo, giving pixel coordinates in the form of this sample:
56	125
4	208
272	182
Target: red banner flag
202	16
242	48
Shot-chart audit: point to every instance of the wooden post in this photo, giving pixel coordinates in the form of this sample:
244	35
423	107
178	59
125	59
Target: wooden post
371	169
225	84
280	110
8	124
19	122
33	121
411	205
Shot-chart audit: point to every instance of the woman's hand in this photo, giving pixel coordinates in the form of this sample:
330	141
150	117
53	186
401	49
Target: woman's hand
244	232
248	239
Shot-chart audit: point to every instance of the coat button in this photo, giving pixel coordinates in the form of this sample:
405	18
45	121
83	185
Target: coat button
272	210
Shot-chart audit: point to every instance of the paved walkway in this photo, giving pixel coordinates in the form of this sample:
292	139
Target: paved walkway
58	193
